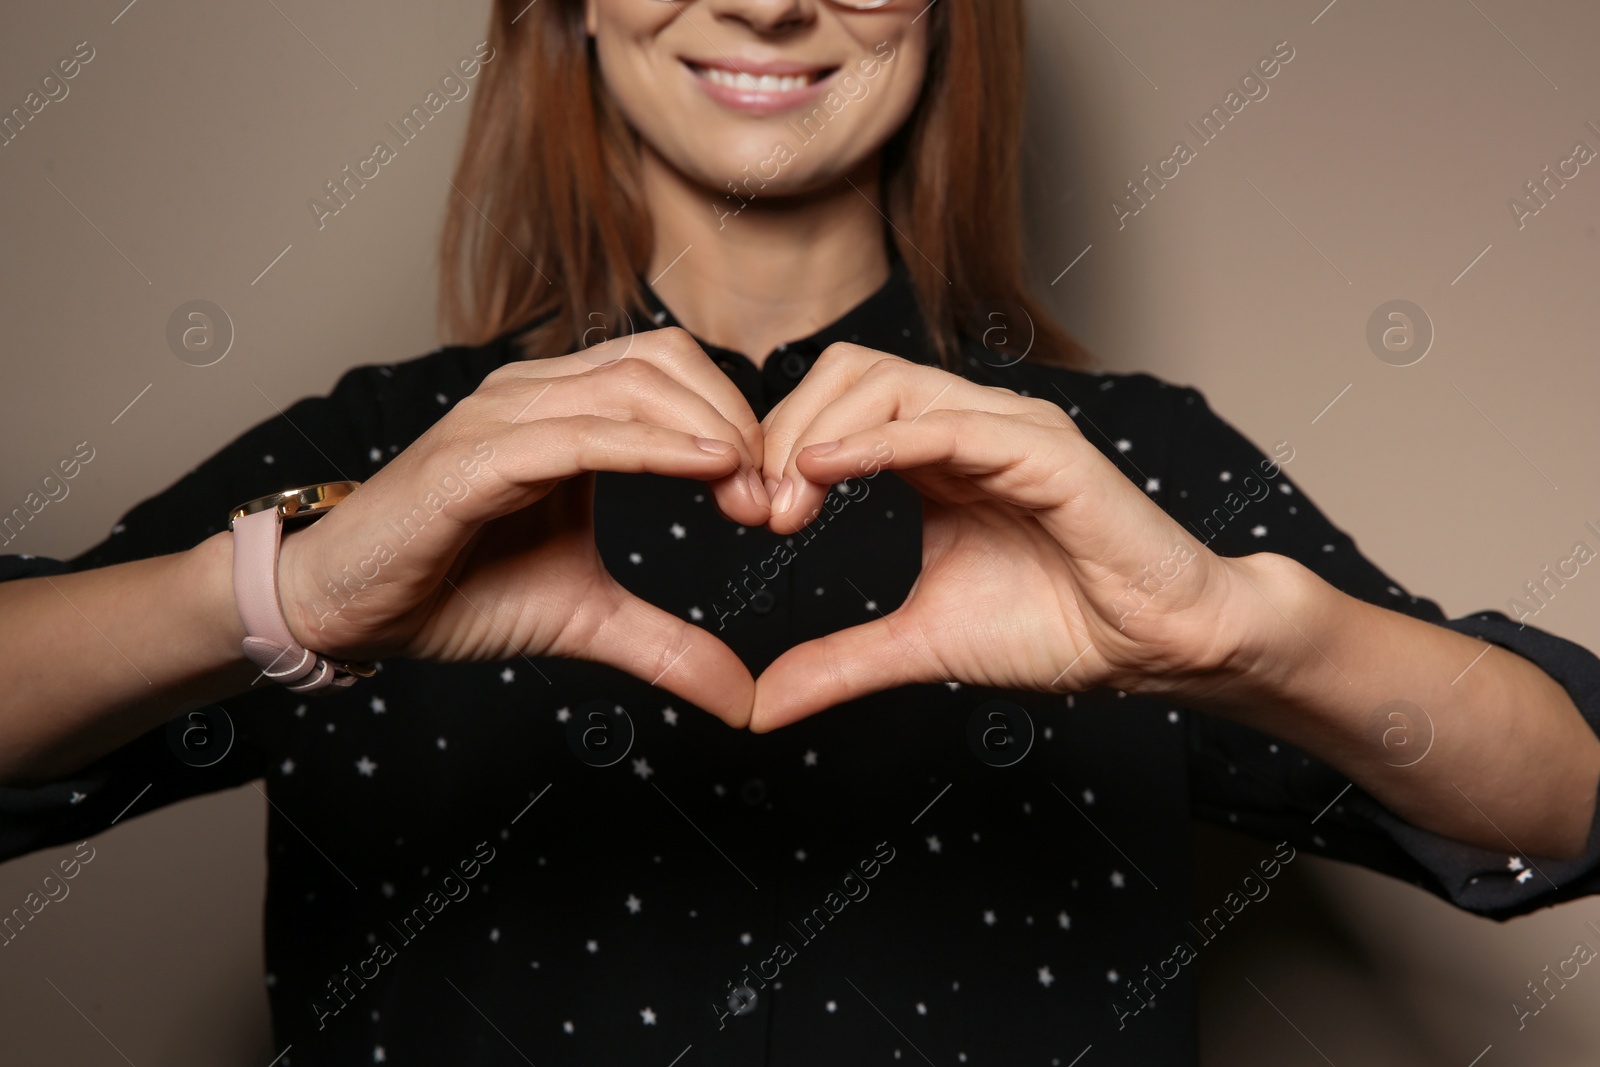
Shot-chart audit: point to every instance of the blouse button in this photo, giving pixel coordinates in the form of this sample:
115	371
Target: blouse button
793	365
753	792
763	602
742	1001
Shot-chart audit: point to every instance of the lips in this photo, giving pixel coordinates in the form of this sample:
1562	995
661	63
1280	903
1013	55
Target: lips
759	87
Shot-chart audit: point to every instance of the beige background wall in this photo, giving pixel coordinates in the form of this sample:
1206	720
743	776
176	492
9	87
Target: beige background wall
1377	168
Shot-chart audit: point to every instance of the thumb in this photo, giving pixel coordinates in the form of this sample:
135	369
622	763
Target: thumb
662	649
842	666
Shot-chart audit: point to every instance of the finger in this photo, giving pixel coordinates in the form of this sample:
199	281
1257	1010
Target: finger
842	666
1078	495
836	370
886	391
845	368
520	467
858	387
527	459
675	352
1011	459
637	388
659	648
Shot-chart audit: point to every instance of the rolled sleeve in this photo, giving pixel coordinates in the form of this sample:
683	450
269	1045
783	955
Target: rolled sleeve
1255	783
1507	883
347	434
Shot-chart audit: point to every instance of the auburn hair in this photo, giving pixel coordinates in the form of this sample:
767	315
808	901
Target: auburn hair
547	221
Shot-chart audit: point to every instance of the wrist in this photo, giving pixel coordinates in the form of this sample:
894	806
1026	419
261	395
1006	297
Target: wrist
215	556
206	571
258	560
1272	616
1262	638
297	598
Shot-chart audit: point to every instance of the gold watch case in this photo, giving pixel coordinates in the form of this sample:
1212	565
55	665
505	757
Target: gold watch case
306	502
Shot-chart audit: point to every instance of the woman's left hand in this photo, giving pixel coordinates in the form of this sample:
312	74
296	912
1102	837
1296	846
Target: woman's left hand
1043	567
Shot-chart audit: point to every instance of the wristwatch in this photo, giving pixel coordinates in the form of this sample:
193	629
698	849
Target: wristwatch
257	534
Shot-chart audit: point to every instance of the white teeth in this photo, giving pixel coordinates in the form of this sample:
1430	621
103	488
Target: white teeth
766	83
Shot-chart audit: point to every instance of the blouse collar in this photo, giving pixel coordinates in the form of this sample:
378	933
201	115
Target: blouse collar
888	321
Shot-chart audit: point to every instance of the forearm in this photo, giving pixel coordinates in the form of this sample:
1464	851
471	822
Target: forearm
95	658
1497	756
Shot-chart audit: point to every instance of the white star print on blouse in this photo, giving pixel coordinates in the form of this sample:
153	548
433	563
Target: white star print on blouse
616	845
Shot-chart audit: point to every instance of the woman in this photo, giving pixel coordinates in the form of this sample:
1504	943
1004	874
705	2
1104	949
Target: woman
717	265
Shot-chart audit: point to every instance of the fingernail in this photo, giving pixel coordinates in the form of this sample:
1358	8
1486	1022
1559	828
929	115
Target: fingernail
757	491
784	496
720	448
772	486
823	449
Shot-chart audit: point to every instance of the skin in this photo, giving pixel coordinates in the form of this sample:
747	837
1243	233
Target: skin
749	281
1031	536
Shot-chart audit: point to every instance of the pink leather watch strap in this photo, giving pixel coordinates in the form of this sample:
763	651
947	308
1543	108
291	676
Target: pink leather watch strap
269	644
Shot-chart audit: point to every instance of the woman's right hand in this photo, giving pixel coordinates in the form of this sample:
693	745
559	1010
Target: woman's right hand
476	542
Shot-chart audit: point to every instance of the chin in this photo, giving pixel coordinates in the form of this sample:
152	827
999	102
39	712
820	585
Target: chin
766	166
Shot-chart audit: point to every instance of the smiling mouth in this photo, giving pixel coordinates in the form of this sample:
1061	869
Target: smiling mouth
743	82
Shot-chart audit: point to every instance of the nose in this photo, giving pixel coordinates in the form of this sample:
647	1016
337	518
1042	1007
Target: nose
768	18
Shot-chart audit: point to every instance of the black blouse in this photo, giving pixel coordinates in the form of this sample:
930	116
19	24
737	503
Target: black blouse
549	861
